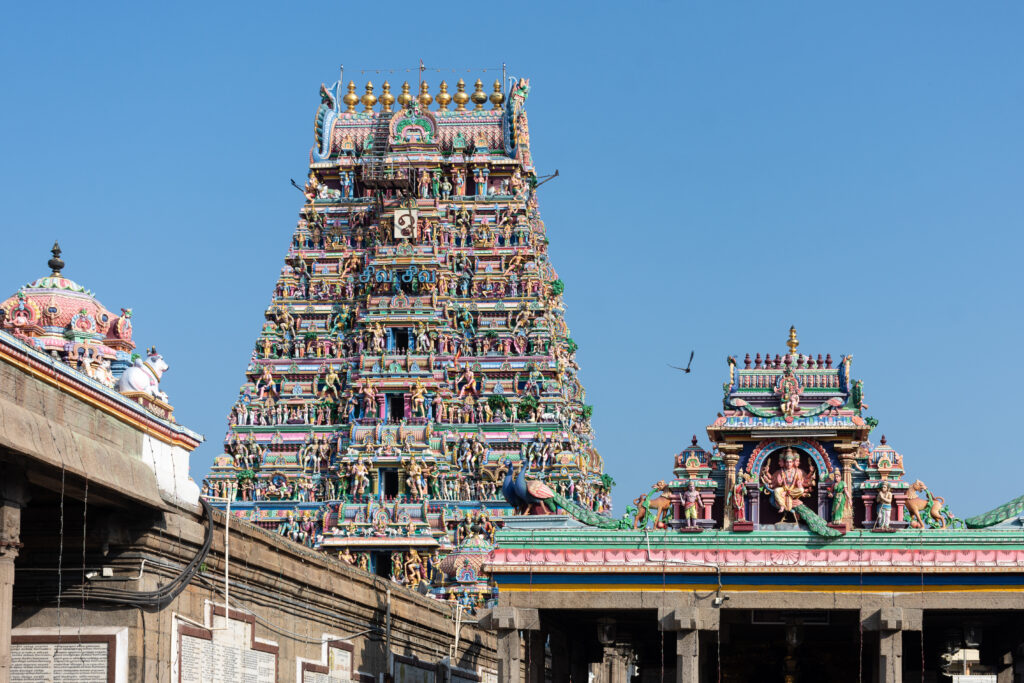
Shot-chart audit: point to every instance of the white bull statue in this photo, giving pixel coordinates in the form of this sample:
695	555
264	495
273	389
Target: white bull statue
144	376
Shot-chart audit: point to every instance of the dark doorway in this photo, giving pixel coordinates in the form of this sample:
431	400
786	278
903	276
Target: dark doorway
397	402
769	645
401	336
381	563
389	482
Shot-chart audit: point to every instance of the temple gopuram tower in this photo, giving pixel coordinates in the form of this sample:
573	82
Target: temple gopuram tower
415	345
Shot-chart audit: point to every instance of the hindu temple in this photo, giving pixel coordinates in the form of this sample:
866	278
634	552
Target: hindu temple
409	489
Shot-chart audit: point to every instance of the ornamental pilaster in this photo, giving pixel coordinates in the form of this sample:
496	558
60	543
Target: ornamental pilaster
13	498
730	453
847	455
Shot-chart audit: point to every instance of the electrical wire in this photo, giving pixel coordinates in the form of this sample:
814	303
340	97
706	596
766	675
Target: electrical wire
161	596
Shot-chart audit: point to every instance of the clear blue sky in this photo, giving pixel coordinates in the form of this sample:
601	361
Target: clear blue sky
727	170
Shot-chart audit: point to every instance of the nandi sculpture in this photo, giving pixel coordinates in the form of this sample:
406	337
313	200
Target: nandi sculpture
144	376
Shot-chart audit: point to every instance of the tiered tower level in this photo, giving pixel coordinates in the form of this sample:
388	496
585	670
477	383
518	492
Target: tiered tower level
416	344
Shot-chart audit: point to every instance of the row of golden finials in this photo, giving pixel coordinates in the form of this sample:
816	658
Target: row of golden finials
461	98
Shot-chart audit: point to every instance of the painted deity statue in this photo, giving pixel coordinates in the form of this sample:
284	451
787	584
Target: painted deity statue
369	398
691	501
788	391
413	479
359	478
839	497
738	498
884	506
419	393
789	483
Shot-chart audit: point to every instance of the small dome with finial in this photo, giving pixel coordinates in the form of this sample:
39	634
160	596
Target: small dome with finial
369	99
443	98
885	457
693	458
60	317
404	98
351	99
425	99
479	97
386	98
460	98
497	97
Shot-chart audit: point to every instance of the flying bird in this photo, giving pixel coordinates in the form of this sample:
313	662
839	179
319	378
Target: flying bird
688	364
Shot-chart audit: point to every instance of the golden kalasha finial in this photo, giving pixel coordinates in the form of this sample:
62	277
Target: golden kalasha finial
386	98
425	98
404	98
443	98
460	97
351	99
479	97
369	99
792	342
497	97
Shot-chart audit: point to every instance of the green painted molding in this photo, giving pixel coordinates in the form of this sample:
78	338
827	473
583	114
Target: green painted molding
910	539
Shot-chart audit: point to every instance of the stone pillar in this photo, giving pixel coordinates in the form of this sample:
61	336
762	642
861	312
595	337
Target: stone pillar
1004	671
890	656
615	663
847	453
14	493
731	456
509	648
687	622
508	622
382	407
890	622
687	656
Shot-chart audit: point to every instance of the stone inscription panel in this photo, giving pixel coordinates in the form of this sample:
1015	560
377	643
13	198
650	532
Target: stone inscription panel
206	661
68	662
223	654
406	672
338	669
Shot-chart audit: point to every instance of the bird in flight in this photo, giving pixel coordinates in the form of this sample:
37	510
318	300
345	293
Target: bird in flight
688	364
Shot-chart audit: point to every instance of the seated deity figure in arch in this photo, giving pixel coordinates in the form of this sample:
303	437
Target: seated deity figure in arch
789	483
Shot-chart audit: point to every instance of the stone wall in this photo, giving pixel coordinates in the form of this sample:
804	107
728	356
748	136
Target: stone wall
84	510
293	598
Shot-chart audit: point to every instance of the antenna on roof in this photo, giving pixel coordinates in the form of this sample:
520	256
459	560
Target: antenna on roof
546	178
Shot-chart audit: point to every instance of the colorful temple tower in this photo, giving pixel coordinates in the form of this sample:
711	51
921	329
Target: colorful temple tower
415	347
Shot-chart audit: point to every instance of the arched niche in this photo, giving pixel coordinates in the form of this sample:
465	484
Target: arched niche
770	459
